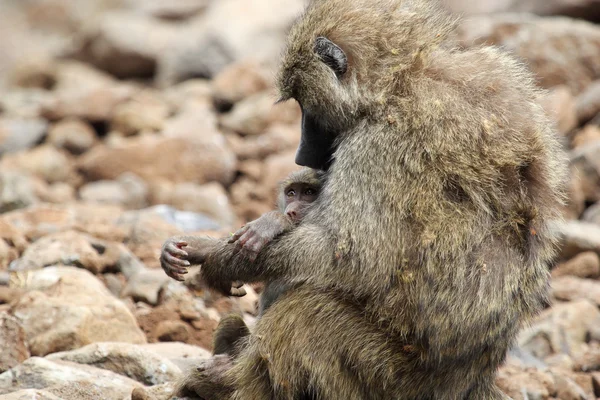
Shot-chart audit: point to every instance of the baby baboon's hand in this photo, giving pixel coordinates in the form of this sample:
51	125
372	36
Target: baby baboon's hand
173	259
252	237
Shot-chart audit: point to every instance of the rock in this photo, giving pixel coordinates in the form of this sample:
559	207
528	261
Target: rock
592	214
585	9
146	111
17	191
577	237
586	136
145	285
195	90
196	118
24	103
588	360
560	106
237	82
185	356
226	33
73	135
587	103
14	344
40	220
567	389
277	139
254	114
128	190
68	381
586	159
525	384
560	51
583	265
575	195
68	308
28	394
146	232
44	161
132	361
125	44
73	76
564	328
569	288
184	220
91	104
57	193
210	199
7	255
20	134
173	10
172	331
69	248
199	160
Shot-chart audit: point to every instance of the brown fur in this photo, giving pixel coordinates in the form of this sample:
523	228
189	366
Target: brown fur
416	286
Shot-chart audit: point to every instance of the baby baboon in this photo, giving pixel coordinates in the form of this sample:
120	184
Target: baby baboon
429	244
295	194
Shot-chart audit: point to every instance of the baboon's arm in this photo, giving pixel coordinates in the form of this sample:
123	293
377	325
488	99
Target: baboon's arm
296	254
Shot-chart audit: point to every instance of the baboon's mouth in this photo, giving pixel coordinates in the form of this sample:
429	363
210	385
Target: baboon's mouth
316	144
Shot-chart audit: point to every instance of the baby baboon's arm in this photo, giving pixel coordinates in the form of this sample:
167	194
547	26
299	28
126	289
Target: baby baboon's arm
179	252
253	236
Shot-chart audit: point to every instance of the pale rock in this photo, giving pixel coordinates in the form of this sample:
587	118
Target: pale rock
92	104
175	159
20	134
66	380
586	136
125	44
564	328
254	114
145	111
586	158
67	308
237	82
588	102
583	265
47	162
14	343
560	51
559	104
128	191
132	361
73	135
277	138
145	285
69	248
577	237
210	199
569	288
184	355
17	190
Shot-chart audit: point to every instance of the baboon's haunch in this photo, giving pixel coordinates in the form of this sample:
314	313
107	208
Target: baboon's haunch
428	245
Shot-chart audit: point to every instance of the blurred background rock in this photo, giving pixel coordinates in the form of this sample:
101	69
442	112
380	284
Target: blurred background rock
123	122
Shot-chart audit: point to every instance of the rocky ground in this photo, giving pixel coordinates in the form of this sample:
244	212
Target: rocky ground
123	122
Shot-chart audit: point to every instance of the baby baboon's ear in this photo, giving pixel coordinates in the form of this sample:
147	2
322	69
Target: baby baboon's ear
332	55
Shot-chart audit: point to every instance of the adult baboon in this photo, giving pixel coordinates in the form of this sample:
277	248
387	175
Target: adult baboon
428	245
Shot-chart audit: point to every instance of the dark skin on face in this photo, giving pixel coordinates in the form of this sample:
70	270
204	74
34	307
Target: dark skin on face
178	252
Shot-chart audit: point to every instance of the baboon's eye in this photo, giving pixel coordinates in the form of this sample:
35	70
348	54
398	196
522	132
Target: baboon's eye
310	192
291	193
332	55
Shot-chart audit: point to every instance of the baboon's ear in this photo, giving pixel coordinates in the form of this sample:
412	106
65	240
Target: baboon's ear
332	55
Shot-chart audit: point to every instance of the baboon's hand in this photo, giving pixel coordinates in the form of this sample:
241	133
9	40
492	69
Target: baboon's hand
252	237
173	259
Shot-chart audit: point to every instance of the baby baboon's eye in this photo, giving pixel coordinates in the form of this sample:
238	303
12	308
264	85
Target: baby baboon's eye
290	193
332	55
310	192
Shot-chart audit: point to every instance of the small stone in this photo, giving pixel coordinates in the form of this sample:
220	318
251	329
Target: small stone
172	331
583	265
237	82
20	134
560	106
14	344
73	135
588	102
128	190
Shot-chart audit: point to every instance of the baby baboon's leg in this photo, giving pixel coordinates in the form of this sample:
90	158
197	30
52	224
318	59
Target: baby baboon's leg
296	348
